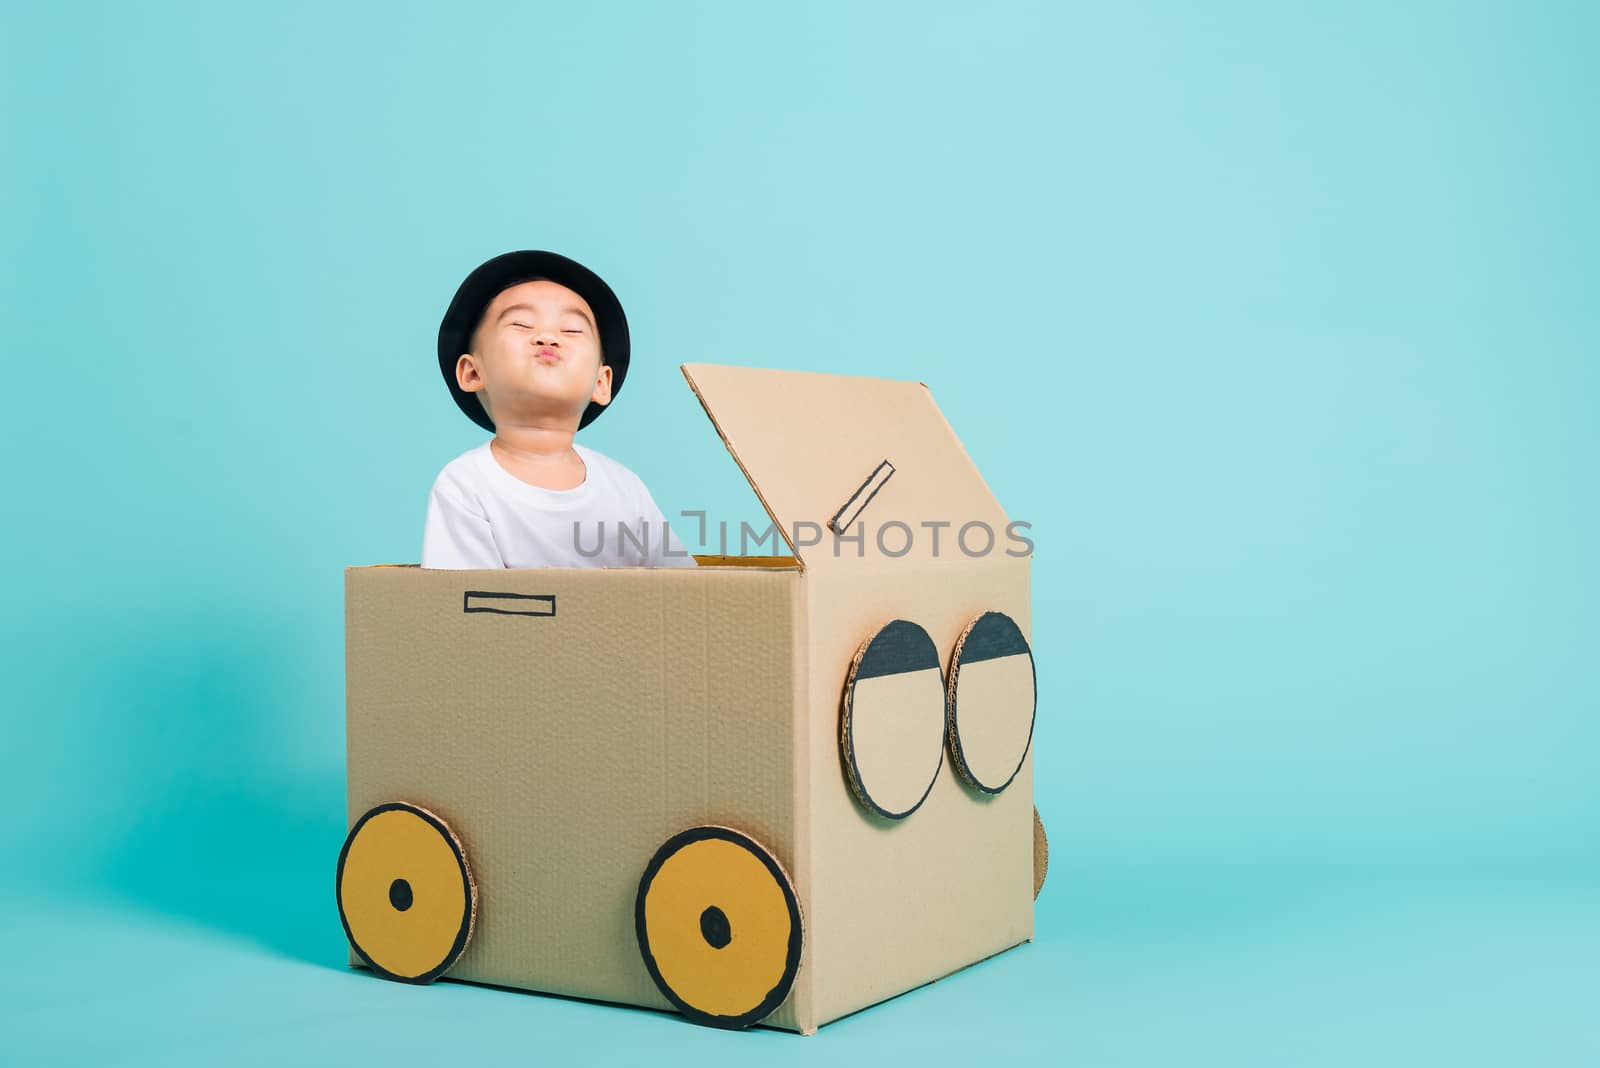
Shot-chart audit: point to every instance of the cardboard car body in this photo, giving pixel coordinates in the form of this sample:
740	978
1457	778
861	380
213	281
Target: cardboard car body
566	722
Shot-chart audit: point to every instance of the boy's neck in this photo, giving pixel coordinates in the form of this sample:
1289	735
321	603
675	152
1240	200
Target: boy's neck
534	444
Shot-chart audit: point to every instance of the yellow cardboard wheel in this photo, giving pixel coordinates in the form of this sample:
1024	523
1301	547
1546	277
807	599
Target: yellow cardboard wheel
406	896
719	926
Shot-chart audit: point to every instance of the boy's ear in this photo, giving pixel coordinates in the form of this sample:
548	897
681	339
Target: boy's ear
467	376
602	386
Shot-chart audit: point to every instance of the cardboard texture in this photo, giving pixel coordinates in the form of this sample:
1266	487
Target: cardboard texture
1041	854
567	724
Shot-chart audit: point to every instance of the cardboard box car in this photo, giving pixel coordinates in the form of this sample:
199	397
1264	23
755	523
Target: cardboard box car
763	789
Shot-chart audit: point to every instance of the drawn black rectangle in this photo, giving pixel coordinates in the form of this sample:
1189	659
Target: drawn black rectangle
863	494
509	604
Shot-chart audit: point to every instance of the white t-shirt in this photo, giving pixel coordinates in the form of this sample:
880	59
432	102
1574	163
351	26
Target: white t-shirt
482	516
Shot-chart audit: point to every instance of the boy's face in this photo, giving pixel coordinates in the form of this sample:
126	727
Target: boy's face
536	357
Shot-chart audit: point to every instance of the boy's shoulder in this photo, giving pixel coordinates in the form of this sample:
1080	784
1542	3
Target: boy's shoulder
619	471
462	477
464	466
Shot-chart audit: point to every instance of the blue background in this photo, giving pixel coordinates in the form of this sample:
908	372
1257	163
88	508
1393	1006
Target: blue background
1277	322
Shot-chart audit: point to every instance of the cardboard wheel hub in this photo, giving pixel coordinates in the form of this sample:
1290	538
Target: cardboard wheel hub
406	896
719	926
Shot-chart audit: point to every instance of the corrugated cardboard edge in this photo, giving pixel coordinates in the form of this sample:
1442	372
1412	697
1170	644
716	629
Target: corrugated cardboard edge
776	522
1041	854
802	995
355	960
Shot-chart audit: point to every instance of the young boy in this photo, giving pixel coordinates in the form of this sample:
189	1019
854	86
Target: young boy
533	347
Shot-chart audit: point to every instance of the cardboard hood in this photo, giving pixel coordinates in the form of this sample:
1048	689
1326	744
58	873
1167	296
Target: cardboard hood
835	456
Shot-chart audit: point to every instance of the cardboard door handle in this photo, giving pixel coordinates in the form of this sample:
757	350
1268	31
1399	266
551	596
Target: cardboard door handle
850	511
509	604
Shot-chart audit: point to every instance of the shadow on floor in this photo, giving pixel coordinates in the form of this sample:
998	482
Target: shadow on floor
215	760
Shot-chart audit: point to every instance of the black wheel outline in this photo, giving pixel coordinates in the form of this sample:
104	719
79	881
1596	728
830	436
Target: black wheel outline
958	757
792	952
858	785
469	886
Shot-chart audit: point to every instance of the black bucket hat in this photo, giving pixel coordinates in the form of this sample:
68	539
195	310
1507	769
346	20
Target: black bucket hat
490	279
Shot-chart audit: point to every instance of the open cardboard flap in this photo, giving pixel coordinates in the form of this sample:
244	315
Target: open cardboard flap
834	454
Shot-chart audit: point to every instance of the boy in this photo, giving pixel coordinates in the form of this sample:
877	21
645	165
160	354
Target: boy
533	347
